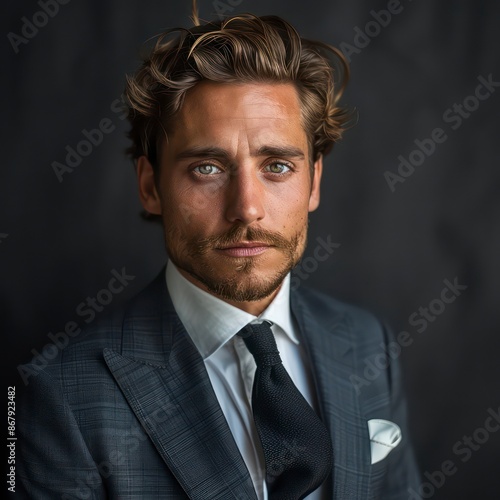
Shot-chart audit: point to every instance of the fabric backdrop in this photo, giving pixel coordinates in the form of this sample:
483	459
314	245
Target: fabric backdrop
410	198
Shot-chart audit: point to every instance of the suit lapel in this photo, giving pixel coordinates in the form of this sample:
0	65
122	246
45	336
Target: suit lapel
164	379
328	340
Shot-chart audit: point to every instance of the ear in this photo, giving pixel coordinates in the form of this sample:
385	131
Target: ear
316	180
148	193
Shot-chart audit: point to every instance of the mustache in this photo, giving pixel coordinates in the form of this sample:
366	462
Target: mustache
239	233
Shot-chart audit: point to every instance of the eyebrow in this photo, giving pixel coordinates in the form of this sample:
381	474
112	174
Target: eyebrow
285	151
215	152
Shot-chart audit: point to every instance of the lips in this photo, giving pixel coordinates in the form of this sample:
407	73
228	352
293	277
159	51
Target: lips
244	249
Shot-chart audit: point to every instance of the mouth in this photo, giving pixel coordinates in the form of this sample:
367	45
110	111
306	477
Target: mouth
244	249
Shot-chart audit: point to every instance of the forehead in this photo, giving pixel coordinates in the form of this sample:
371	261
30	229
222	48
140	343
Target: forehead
257	111
214	97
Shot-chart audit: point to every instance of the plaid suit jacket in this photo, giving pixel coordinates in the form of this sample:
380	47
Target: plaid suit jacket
127	410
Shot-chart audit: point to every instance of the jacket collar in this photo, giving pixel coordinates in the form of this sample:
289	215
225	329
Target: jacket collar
164	380
327	336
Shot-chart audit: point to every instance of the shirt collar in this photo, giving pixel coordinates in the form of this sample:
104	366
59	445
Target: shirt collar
211	322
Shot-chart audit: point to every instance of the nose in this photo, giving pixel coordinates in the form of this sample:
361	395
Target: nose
245	197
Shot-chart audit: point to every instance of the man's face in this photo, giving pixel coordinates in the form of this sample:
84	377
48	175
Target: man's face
235	188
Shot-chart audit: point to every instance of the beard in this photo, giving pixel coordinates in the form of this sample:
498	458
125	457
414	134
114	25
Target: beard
230	278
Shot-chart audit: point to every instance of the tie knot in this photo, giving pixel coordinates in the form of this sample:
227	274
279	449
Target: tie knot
259	339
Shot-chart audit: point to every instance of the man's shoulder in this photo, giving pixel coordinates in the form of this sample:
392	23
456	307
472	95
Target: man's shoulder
73	349
82	347
326	306
365	327
358	331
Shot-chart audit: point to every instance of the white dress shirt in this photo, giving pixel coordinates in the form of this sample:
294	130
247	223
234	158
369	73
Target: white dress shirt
212	325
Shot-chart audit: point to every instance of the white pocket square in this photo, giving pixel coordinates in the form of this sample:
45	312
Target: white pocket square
384	437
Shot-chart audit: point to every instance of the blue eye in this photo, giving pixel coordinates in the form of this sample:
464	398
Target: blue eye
278	168
207	169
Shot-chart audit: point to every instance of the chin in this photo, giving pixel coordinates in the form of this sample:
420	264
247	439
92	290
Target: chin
240	287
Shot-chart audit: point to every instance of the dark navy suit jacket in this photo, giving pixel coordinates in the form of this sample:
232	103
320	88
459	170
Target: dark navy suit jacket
127	410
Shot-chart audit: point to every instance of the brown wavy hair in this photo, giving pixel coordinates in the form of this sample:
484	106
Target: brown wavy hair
239	49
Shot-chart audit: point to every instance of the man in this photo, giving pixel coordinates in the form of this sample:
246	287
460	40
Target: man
184	395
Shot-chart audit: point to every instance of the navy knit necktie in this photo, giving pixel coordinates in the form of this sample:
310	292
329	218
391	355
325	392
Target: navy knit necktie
297	447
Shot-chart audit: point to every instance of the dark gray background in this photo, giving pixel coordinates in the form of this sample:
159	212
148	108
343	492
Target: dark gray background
396	248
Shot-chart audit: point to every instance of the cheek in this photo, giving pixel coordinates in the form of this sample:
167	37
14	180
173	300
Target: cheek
291	207
193	208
